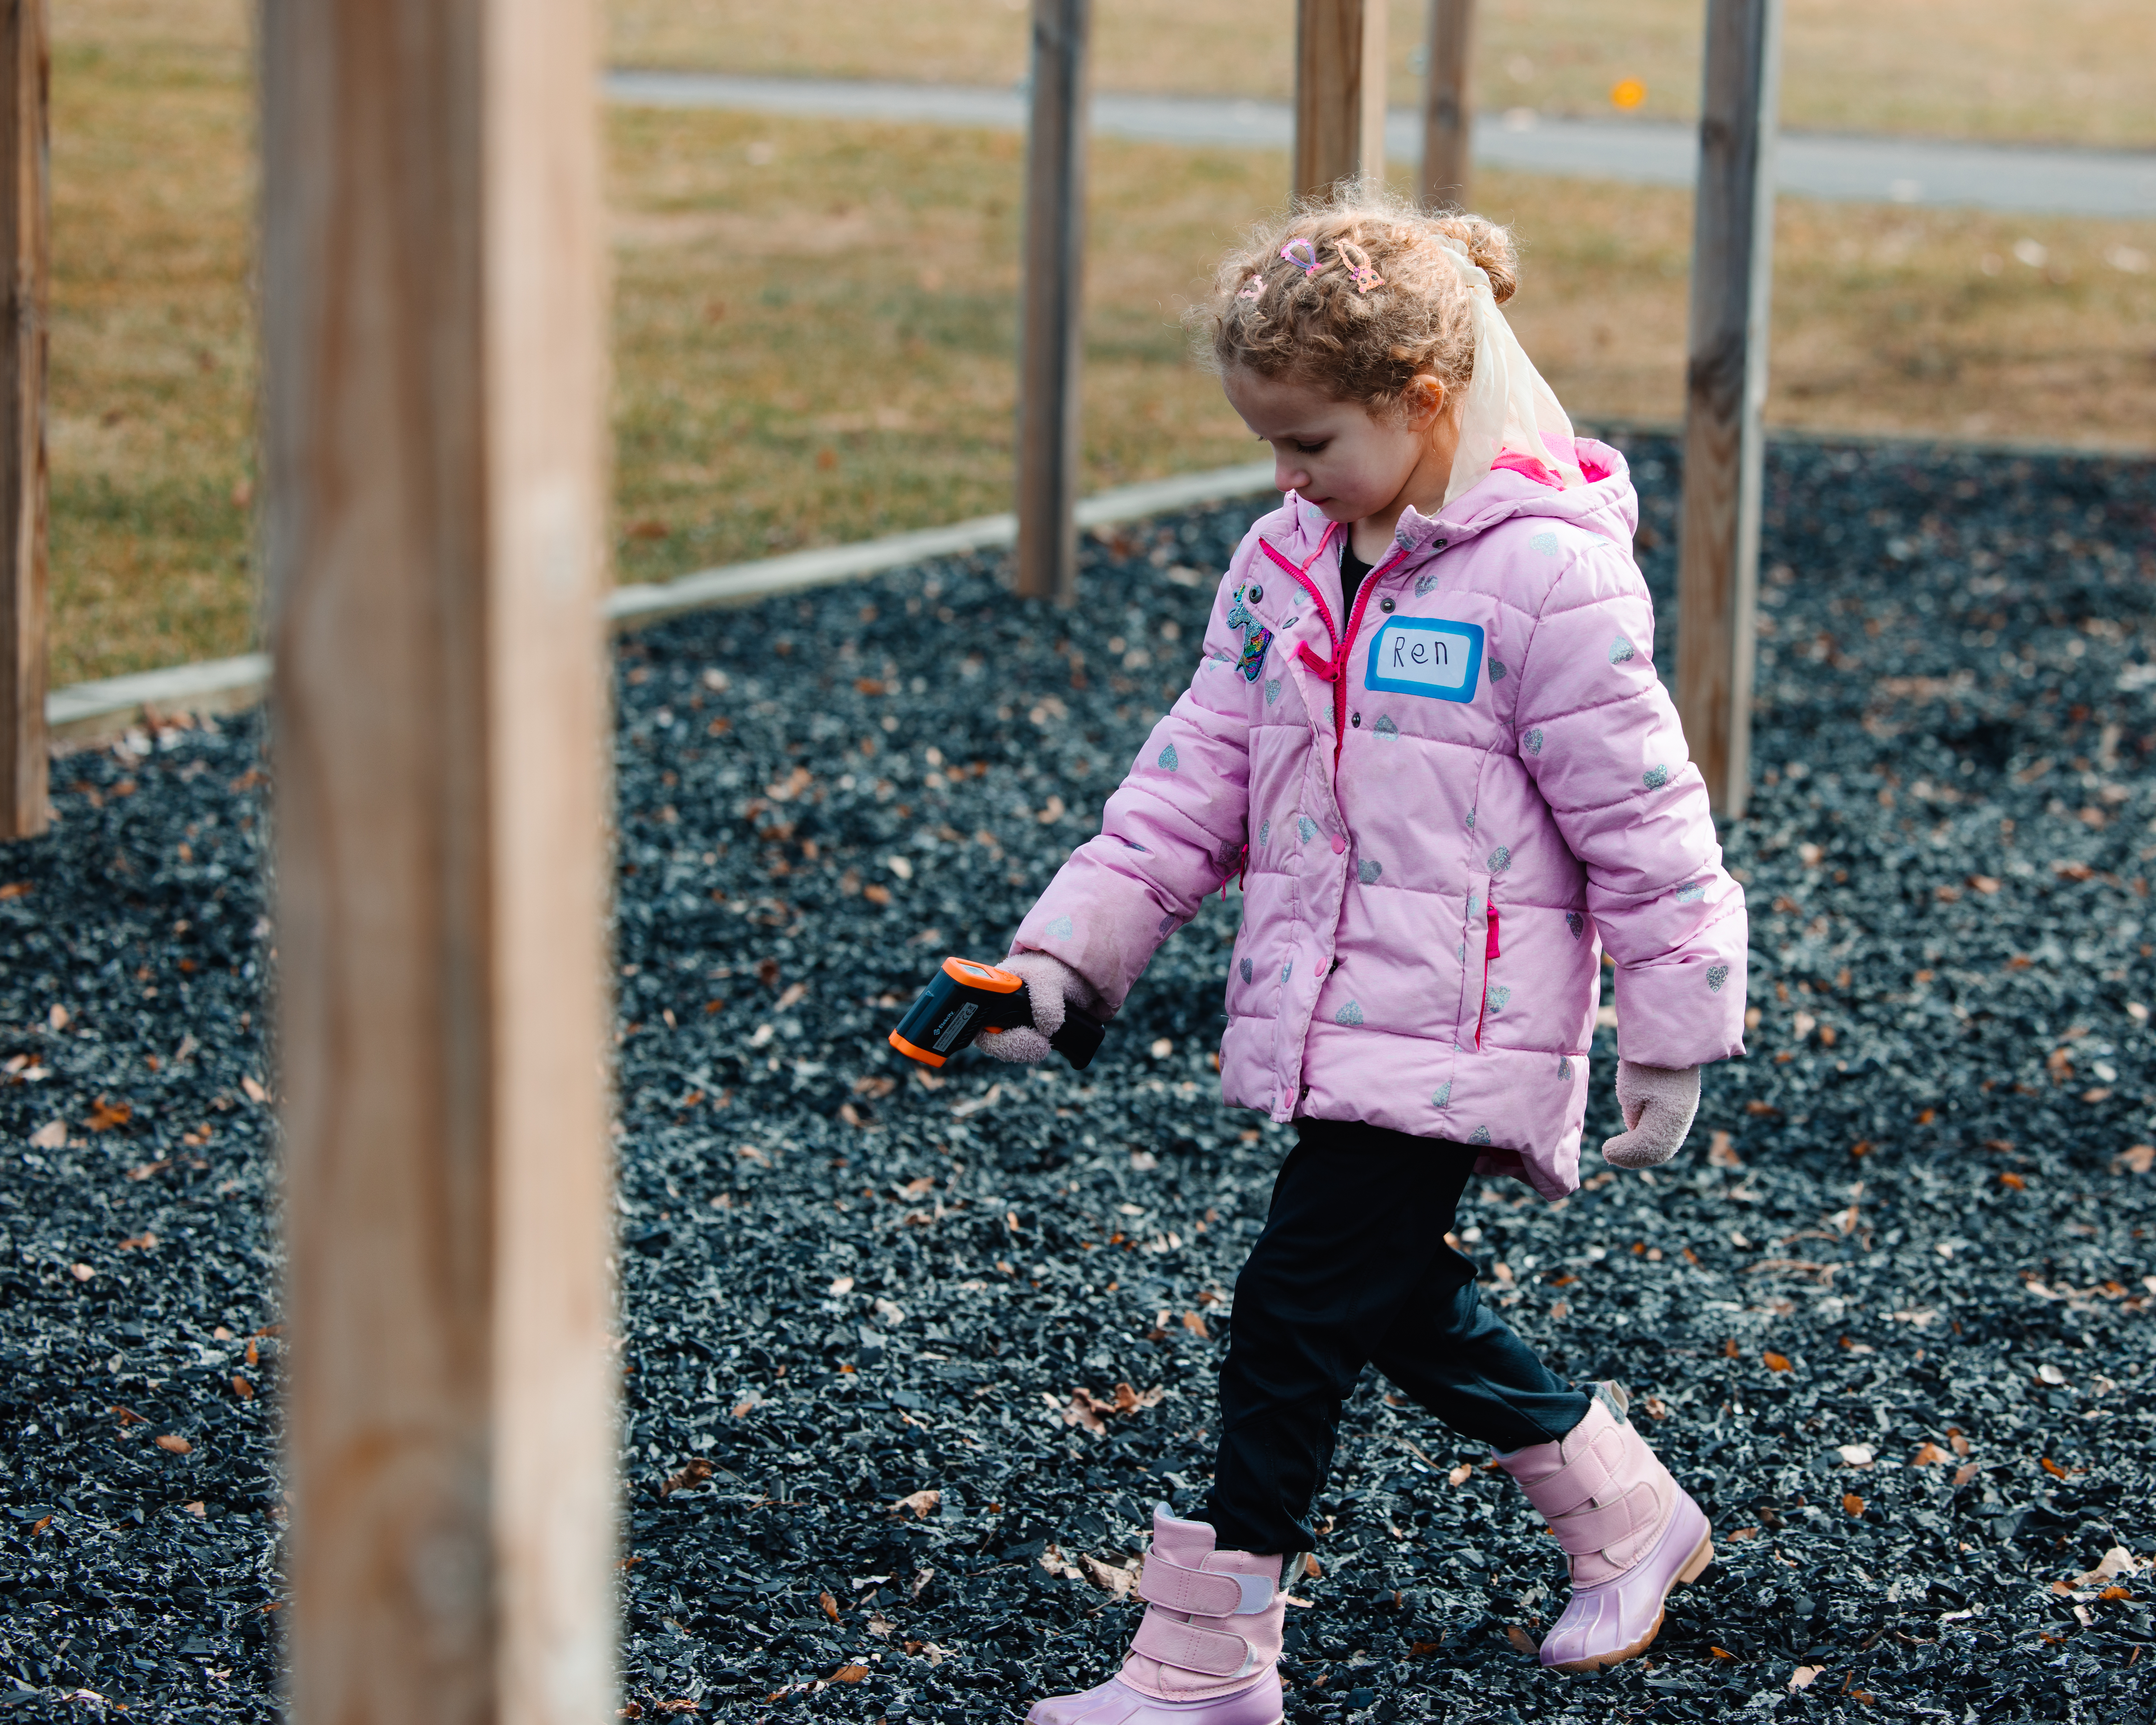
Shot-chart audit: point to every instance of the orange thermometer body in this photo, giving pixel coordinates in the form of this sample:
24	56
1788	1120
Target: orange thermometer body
964	999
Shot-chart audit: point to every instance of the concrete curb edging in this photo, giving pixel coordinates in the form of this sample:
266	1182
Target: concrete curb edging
88	715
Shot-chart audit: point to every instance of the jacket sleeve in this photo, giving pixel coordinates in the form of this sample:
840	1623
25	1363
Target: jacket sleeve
1174	829
1600	735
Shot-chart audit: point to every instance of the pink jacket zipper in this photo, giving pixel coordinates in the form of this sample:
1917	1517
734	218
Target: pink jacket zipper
1335	670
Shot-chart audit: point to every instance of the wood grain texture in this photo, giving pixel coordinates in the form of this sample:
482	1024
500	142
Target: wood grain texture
1339	94
1448	105
432	302
1053	314
1725	389
25	225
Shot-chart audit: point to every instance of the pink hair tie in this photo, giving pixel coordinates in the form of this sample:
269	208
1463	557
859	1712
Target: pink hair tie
1360	270
1254	289
1310	267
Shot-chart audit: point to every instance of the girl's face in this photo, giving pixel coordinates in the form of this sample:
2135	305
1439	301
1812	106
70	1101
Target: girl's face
1337	456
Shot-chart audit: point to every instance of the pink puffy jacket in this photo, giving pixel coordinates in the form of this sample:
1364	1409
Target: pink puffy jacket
1450	802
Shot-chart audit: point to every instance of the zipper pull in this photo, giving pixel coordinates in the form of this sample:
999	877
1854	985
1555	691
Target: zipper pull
1328	668
1491	950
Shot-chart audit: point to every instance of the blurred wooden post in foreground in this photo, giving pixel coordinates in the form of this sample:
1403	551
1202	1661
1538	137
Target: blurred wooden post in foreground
434	412
1448	105
1339	93
25	208
1725	388
1054	303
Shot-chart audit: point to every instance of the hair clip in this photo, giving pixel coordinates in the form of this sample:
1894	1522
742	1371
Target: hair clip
1360	271
1309	267
1254	289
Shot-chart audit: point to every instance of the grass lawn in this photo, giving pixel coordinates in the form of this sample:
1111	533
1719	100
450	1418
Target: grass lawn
2066	71
814	323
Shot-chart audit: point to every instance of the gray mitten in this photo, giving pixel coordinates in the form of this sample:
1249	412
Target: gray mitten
1050	985
1658	1103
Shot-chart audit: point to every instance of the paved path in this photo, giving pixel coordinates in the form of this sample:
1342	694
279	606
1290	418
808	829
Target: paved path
1863	170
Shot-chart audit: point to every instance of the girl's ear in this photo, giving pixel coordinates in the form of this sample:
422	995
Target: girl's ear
1427	400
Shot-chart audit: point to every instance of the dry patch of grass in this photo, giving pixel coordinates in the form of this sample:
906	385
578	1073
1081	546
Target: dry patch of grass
814	325
798	364
152	335
2068	70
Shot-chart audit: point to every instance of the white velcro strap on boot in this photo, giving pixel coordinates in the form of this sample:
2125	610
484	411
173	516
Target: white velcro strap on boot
1208	1652
1201	1592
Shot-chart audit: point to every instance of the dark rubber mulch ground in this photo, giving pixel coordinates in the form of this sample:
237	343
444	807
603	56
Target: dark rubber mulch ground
1887	1317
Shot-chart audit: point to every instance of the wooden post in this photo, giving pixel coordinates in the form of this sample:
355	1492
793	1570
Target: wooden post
1339	93
1054	311
1448	105
25	213
435	412
1725	388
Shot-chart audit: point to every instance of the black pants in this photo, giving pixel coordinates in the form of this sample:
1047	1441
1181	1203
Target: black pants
1352	1270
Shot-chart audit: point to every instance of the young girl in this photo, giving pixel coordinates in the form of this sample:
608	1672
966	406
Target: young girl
1427	724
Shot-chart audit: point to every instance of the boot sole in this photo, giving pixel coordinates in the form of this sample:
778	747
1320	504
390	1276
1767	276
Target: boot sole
1694	1567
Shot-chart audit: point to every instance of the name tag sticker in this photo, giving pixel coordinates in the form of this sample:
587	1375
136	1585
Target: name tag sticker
1426	655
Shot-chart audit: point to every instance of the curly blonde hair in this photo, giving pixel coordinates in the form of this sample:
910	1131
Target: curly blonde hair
1370	300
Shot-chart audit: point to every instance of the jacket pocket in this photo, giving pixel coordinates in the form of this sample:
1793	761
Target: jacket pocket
1481	934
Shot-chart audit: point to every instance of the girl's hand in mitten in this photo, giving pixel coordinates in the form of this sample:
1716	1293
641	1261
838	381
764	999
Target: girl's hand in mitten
1658	1104
1050	985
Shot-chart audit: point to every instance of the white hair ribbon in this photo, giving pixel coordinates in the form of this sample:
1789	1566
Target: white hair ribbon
1512	418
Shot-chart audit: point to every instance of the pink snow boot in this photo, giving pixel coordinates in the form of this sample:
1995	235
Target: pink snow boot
1207	1651
1632	1533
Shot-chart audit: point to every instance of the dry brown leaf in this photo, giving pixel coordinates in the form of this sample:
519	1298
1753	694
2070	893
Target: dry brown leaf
242	1388
255	1092
1956	1441
105	1114
175	1444
51	1136
1195	1324
694	1472
1966	1472
849	1674
148	1168
1775	1361
2134	1159
1802	1677
15	889
922	1503
2115	1562
82	1272
1522	1640
1927	1456
1721	1153
1744	1533
1461	1474
1109	1578
829	1605
1851	1503
1419	1650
